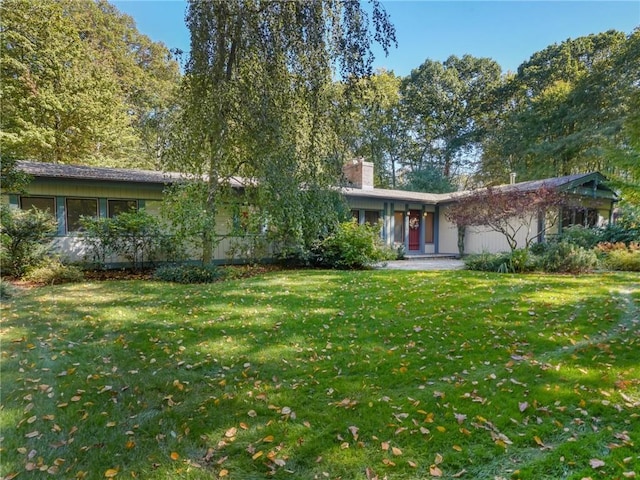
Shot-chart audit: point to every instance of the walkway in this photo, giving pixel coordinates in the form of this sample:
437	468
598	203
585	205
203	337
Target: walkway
424	264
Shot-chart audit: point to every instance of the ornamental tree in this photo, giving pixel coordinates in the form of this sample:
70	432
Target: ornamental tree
257	104
508	211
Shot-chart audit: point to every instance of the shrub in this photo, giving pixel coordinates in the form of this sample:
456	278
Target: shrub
620	233
54	271
25	238
6	290
189	273
135	236
581	236
625	260
565	257
353	246
618	256
486	262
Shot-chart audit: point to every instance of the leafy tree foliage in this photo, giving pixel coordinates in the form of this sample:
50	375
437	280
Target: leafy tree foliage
80	84
563	108
258	104
429	180
449	103
376	128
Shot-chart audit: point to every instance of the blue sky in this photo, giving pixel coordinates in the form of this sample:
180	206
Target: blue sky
506	31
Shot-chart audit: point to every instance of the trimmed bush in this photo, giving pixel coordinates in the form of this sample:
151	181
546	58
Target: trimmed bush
187	274
54	272
565	257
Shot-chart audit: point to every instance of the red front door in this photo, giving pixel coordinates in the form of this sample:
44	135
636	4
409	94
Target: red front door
414	230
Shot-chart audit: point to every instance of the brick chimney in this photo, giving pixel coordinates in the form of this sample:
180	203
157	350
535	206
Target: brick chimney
359	174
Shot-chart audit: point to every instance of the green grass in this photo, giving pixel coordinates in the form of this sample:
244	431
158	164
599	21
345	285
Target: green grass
323	374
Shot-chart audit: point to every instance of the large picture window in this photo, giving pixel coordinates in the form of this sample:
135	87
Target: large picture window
46	204
428	227
116	207
371	217
586	217
79	207
398	227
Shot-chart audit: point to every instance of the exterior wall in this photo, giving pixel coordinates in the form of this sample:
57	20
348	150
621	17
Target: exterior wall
447	234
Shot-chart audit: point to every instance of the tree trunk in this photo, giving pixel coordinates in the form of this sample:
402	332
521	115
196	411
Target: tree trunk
461	234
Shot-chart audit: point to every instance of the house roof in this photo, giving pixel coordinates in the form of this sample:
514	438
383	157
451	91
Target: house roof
591	184
584	183
55	170
83	172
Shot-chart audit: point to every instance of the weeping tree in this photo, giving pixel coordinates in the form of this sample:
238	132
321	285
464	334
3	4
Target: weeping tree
258	108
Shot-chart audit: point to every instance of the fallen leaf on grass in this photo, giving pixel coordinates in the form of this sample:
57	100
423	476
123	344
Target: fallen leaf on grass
257	455
175	455
434	471
596	463
112	472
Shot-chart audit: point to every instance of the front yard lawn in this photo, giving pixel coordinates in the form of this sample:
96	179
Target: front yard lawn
325	374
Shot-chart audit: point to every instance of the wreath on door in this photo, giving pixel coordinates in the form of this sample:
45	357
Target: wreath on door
414	223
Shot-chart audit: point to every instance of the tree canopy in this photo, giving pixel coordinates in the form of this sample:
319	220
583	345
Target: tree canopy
80	84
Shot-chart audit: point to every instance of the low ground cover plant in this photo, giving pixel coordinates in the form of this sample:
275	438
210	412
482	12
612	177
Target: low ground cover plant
325	374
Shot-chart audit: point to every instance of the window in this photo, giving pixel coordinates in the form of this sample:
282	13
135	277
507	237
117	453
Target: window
355	214
78	207
398	227
371	217
428	227
46	204
587	217
116	207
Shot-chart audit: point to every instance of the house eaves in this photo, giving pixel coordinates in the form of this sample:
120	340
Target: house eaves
398	195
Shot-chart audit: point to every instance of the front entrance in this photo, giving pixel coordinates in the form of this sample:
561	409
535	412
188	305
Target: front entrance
414	230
